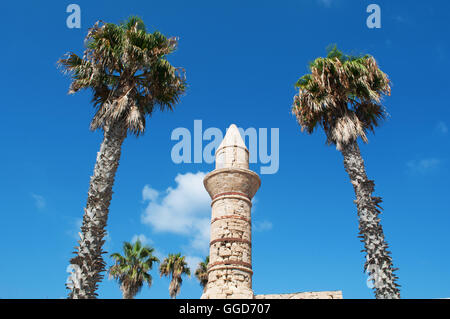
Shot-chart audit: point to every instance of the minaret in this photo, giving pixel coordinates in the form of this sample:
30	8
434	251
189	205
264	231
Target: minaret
231	187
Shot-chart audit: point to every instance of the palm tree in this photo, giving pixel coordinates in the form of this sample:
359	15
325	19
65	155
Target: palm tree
127	71
342	94
202	272
174	266
132	269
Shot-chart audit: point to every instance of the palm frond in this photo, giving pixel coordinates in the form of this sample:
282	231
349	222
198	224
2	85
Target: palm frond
202	272
132	269
127	70
342	94
174	265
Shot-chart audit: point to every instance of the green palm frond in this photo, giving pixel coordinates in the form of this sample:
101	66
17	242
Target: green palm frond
133	21
202	272
342	94
132	269
127	70
175	266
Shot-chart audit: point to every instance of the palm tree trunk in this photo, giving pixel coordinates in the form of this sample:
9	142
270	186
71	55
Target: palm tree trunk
126	294
378	260
174	287
88	263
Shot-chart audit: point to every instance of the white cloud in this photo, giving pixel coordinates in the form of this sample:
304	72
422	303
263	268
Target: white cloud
149	193
200	240
262	226
142	238
423	166
39	201
183	210
441	127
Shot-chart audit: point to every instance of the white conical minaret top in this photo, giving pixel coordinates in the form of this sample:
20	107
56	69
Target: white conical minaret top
232	151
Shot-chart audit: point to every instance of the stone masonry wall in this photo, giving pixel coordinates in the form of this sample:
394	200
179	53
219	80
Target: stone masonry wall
304	295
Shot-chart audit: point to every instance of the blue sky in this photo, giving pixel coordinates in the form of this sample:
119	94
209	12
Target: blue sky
241	63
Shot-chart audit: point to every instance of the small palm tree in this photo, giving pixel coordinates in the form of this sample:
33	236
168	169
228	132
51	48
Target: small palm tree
174	266
127	70
202	272
342	94
132	269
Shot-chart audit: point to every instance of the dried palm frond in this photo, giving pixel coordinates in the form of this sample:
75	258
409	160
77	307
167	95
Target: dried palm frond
342	94
174	265
126	68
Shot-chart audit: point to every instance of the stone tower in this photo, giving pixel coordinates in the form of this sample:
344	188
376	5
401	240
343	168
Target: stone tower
231	187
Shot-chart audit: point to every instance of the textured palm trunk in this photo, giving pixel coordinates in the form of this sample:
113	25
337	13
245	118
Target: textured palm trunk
126	294
174	287
88	263
378	260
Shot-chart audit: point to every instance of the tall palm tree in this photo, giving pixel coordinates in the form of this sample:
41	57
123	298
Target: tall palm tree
202	272
127	70
132	269
342	94
174	266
